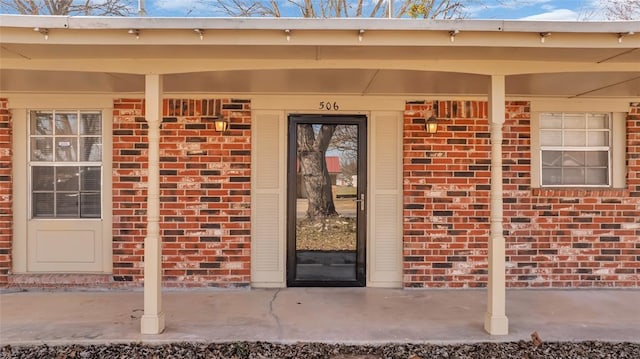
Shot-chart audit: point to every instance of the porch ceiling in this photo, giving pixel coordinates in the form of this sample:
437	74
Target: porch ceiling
337	81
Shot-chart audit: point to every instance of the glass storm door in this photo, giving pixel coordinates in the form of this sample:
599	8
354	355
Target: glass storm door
326	200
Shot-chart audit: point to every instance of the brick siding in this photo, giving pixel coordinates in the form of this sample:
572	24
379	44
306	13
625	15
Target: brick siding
6	202
554	238
205	194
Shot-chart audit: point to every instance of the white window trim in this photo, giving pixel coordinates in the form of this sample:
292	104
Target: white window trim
617	169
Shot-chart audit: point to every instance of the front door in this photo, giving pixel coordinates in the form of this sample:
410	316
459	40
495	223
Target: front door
326	200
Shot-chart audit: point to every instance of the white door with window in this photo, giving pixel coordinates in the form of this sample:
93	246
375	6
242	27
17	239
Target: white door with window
64	206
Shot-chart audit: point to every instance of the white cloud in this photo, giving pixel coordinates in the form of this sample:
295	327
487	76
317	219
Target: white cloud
555	15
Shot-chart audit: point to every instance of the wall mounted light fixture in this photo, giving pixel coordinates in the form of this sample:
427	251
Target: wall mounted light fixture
431	124
221	124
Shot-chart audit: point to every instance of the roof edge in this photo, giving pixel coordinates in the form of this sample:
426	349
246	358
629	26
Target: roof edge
232	23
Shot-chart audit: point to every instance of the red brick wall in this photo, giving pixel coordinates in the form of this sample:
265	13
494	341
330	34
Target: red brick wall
6	214
205	192
555	238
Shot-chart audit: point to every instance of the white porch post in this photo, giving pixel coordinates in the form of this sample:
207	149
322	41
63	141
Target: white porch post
495	321
153	318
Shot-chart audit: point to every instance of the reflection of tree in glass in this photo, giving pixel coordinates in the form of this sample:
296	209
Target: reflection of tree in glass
90	125
345	142
312	148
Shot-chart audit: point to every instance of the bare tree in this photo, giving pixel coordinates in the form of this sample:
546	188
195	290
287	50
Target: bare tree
621	9
432	9
69	7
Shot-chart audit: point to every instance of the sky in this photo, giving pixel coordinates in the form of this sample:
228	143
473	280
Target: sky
560	10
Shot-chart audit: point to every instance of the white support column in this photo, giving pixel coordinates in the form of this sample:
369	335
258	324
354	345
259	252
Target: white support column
153	318
495	321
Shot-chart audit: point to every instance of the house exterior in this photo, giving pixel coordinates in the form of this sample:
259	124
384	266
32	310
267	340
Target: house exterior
113	175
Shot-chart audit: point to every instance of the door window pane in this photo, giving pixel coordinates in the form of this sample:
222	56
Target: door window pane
66	149
66	124
90	205
42	149
90	178
42	205
67	179
91	149
42	178
67	205
41	123
90	124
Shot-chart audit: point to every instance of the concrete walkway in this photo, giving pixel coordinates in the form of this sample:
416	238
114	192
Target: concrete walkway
345	315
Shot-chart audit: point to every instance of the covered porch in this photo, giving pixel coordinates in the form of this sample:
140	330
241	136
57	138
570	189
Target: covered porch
301	59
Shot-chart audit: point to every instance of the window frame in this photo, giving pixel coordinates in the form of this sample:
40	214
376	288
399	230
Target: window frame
617	144
56	164
564	130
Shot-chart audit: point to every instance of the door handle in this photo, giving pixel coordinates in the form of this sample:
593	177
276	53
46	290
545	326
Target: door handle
361	201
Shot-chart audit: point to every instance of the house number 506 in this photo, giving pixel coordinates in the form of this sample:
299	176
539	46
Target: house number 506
329	106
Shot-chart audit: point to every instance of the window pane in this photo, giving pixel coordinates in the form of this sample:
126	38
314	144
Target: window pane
67	178
90	178
66	123
575	120
91	149
551	176
42	178
90	205
41	123
575	138
597	159
66	149
598	138
551	120
598	120
573	176
42	205
90	124
42	149
597	176
67	205
551	138
552	158
573	159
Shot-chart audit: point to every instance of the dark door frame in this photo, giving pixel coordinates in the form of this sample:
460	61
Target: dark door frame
293	121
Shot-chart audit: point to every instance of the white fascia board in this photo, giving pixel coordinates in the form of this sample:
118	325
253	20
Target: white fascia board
230	23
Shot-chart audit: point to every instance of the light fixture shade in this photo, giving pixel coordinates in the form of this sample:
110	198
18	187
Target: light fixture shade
431	125
221	124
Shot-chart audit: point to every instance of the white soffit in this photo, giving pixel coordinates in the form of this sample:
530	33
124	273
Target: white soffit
336	81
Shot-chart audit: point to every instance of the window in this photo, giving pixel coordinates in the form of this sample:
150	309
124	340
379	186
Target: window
575	149
65	164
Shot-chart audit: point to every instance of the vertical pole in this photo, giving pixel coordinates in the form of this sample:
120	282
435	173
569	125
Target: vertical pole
495	321
153	318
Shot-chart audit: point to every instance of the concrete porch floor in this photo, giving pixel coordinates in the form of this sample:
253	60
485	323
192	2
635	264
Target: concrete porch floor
343	315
